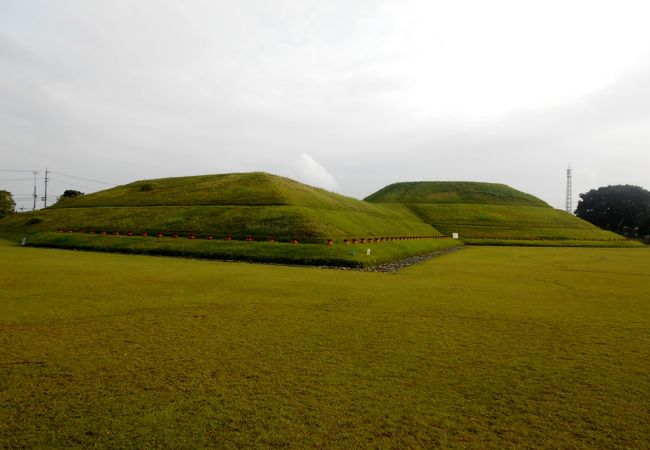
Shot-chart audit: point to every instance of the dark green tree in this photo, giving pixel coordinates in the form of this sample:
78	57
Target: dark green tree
69	194
7	204
624	209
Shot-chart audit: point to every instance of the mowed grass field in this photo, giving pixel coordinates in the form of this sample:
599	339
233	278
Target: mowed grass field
482	348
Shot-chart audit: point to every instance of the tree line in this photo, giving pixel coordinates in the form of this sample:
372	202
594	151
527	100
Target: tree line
623	209
8	205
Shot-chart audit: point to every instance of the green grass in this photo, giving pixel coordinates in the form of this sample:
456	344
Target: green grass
235	189
509	222
465	192
263	205
498	215
489	211
339	255
536	242
283	222
483	348
515	232
256	204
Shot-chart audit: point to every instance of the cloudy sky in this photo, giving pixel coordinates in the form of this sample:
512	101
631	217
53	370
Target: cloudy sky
347	95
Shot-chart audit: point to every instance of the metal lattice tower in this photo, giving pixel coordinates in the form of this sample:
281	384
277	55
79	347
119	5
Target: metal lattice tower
35	196
569	200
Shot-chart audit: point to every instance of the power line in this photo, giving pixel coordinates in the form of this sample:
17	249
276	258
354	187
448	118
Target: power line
83	179
56	173
67	183
47	180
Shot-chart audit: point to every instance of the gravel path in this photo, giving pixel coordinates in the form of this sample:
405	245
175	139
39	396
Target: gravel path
401	264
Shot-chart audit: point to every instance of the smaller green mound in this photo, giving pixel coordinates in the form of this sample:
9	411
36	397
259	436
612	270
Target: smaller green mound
453	192
489	211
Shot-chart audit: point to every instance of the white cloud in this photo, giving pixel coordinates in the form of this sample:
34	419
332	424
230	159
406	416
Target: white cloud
309	171
379	91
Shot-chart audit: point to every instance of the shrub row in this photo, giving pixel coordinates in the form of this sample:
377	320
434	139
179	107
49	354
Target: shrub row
258	251
248	238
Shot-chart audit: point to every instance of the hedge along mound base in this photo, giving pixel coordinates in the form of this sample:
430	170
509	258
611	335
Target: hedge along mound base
321	254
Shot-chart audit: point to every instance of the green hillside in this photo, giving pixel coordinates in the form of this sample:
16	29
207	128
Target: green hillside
464	192
266	207
488	211
234	189
256	204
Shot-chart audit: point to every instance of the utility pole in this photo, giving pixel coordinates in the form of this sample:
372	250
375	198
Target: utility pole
46	181
35	196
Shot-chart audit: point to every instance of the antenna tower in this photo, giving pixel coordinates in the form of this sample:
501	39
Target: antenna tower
569	200
35	196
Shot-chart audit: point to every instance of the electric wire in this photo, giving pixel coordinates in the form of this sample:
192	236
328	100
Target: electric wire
83	179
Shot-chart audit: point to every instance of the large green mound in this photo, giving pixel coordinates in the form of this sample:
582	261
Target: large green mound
488	211
234	189
464	192
255	204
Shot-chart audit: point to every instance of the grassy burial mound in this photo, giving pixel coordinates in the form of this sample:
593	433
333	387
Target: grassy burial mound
257	206
453	192
249	204
490	212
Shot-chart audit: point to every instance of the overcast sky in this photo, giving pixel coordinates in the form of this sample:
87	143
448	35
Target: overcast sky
347	95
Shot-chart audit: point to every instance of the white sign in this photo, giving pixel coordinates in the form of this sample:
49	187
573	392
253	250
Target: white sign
368	252
454	235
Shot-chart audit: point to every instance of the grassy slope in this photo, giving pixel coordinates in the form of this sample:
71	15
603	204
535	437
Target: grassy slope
284	222
513	222
488	211
245	189
464	351
239	204
453	192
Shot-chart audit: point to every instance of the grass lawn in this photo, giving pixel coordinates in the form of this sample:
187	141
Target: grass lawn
488	347
554	243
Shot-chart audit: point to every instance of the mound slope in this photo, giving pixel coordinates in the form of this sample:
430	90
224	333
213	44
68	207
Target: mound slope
234	189
487	211
463	192
257	204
